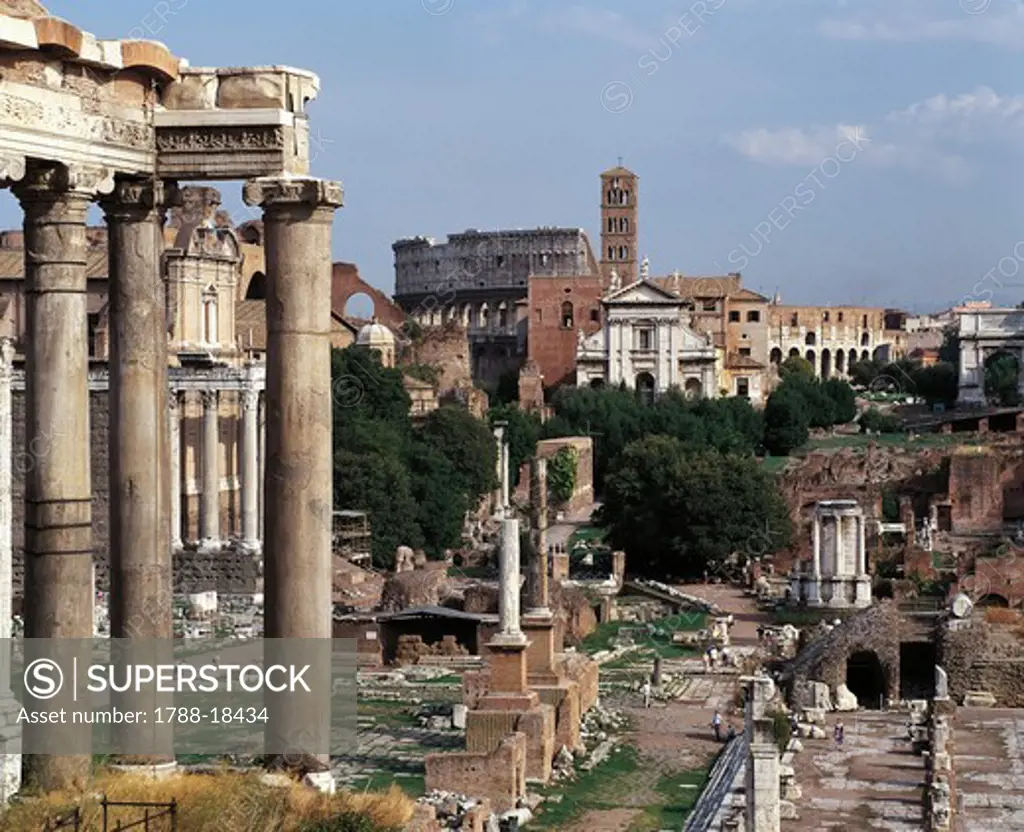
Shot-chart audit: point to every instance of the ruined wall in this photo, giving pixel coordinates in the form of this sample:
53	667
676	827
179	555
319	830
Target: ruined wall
445	348
982	657
975	490
583	494
346	282
499	775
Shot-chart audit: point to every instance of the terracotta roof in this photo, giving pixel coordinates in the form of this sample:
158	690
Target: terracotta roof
618	170
12	264
747	294
707	286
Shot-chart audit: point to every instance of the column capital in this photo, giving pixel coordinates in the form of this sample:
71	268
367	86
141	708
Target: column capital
133	198
12	167
250	400
7	352
209	398
173	400
283	192
45	180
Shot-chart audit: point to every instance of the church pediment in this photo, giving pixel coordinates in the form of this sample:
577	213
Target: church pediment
640	293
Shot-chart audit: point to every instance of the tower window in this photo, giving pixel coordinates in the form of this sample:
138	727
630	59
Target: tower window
794	320
611	225
623	253
595	316
625	225
611	252
567	316
824	317
753	317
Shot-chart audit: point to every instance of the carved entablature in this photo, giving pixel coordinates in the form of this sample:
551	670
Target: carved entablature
274	191
230	144
243	88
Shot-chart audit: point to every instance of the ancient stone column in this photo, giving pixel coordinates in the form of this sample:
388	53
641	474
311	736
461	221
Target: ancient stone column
298	214
58	594
262	464
499	439
174	426
250	470
210	504
505	475
539	591
862	549
816	550
140	591
10	730
762	789
839	567
508	601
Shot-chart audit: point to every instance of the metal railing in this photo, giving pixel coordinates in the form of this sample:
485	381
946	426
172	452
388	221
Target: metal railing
151	812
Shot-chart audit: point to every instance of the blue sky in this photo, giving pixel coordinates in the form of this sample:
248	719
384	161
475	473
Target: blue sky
839	151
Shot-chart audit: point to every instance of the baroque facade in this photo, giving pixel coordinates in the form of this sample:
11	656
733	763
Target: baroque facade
647	344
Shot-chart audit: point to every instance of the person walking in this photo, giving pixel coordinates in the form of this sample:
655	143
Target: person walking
646	690
716	723
840	732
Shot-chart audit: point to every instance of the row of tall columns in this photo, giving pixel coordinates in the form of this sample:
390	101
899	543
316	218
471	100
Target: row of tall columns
841	533
251	471
59	584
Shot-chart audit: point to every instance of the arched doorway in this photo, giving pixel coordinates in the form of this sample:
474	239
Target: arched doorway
866	679
810	356
360	306
794	353
864	355
917	670
992	599
853	357
596	383
826	364
776	356
693	388
840	362
645	388
810	339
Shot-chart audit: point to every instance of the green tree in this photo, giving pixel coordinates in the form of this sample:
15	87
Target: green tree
843	399
468	445
785	422
796	366
949	352
875	421
1001	370
562	473
677	513
440	497
938	383
864	372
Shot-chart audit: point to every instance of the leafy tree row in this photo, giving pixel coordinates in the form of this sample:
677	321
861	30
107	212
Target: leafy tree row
415	482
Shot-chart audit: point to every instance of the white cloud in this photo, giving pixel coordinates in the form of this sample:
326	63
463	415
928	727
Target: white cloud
983	108
808	148
796	146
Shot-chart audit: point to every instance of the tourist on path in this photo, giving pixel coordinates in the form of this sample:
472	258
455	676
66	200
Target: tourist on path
716	723
646	690
839	732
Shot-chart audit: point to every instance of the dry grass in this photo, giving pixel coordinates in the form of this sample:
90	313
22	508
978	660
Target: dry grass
1001	615
213	803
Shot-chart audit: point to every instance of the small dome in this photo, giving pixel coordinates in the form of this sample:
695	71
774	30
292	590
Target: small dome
376	336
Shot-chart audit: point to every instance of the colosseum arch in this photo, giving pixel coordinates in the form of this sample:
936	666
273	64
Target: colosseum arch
346	282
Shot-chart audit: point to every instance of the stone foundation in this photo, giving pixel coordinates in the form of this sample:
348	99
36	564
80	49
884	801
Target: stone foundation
498	774
486	729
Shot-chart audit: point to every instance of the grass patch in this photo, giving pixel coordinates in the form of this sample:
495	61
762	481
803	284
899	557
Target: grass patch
680	792
591	790
586	534
414	785
218	803
659	640
861	440
387	712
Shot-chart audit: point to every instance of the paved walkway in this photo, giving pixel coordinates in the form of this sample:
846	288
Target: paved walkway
559	533
874	781
988	745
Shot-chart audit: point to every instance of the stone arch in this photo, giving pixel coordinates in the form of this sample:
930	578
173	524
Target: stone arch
645	387
993	599
794	352
567	317
693	388
864	355
812	358
776	356
596	383
840	362
358	305
811	339
257	289
865	339
826	363
852	357
346	282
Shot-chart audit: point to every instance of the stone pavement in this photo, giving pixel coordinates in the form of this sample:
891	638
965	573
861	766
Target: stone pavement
874	781
988	745
393	750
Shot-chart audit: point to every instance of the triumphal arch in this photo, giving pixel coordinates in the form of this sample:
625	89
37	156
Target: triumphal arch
86	121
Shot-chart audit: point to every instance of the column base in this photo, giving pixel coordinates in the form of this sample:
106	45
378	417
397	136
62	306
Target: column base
862	592
253	547
177	545
210	546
